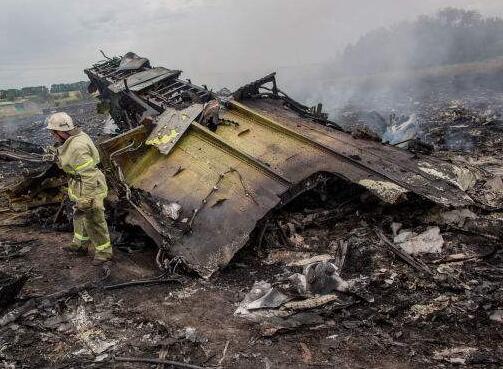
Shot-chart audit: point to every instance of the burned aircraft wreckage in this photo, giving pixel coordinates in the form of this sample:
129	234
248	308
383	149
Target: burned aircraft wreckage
200	171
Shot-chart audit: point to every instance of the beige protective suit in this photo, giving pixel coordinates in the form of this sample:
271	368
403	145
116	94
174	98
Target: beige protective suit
87	187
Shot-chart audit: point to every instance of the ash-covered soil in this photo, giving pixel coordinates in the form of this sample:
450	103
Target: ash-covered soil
397	316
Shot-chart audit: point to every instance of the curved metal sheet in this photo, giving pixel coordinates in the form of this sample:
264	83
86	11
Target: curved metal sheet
227	181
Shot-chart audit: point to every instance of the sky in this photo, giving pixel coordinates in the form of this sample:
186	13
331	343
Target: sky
217	42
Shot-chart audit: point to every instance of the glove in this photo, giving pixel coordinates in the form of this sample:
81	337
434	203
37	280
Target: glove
50	154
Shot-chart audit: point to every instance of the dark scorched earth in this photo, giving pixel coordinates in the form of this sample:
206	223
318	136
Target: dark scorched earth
442	309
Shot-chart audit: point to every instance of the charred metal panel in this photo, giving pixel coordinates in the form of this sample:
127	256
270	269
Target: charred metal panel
384	169
144	79
265	150
222	192
133	94
227	181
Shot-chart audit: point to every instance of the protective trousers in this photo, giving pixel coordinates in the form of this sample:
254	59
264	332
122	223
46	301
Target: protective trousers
90	228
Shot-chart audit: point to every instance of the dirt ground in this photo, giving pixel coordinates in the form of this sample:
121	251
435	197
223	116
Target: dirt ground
397	318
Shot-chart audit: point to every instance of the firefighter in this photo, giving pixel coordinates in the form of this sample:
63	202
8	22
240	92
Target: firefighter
87	188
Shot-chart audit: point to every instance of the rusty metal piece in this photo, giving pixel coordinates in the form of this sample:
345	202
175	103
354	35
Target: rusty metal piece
227	179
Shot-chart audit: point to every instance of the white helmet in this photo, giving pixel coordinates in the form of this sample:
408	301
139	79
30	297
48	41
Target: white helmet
60	122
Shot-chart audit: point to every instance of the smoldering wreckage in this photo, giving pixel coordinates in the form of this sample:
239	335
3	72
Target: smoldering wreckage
345	234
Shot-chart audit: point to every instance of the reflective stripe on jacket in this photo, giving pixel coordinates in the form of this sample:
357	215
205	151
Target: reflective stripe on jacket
78	157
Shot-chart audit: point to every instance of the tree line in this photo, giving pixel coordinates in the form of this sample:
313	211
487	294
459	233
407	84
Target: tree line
43	91
451	36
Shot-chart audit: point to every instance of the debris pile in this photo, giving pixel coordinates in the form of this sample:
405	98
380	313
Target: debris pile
319	248
459	127
357	281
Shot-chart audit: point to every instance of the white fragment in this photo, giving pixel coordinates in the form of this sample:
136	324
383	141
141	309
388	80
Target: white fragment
311	260
388	191
436	173
430	241
497	316
172	210
395	227
109	126
465	179
101	357
458	216
92	336
400	134
84	295
454	355
495	185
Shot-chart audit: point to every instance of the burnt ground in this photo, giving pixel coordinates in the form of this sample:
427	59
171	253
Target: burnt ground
400	318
